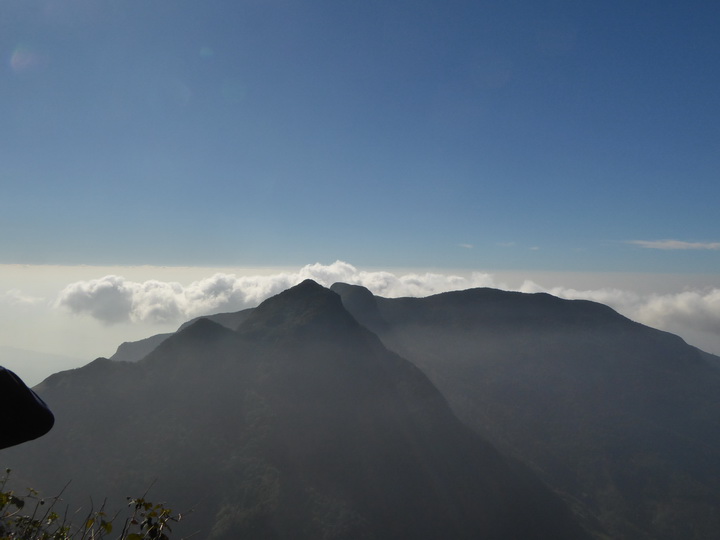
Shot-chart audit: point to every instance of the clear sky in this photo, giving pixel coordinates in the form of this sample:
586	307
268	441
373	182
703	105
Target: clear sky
544	134
525	135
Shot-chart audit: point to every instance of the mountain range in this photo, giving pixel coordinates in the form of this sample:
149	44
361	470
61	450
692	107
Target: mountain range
621	419
298	424
335	413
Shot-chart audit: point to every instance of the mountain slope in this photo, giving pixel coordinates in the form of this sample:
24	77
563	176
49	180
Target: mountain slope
300	424
132	351
621	418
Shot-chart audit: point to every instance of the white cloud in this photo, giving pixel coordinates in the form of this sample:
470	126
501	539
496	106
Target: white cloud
691	309
114	299
621	300
694	314
15	297
109	299
675	244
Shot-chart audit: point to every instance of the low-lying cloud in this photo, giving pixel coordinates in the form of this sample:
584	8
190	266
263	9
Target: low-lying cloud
694	314
114	299
15	297
691	309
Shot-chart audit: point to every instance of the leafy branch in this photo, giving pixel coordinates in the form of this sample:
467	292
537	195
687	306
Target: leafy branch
31	517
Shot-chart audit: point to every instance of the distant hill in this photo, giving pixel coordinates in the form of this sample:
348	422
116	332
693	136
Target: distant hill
299	424
620	418
132	351
228	320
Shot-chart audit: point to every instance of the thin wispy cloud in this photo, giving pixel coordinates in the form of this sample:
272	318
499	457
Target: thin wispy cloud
16	297
675	245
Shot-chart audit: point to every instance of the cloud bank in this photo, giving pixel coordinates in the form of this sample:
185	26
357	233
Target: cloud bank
694	314
114	299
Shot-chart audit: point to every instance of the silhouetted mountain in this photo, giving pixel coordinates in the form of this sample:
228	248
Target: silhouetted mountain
300	424
622	419
132	351
228	320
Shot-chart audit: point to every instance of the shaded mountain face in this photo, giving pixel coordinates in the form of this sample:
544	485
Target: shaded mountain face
299	424
622	419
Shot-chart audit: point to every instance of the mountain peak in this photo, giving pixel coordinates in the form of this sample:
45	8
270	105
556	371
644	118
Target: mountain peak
307	284
304	309
203	329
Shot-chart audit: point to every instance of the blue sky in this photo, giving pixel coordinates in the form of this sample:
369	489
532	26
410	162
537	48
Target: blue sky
518	135
160	159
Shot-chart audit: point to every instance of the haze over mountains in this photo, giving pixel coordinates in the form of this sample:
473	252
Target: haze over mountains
35	365
620	417
308	417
